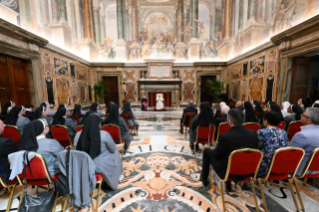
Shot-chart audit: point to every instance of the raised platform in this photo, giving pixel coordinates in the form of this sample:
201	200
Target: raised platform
164	109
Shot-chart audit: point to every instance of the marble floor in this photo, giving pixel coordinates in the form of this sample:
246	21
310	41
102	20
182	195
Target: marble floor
161	175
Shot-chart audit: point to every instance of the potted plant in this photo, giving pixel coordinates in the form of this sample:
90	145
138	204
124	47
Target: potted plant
100	92
216	87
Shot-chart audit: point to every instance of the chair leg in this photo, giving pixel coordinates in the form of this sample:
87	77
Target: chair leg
11	198
211	177
266	182
195	151
293	194
65	203
271	182
305	181
98	197
255	196
222	191
36	189
262	195
299	196
56	199
241	184
185	132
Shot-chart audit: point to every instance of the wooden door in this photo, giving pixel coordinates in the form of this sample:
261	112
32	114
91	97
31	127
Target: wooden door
5	88
205	95
299	79
111	83
19	81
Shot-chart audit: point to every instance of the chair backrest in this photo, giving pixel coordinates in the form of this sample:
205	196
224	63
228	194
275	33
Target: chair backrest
79	128
259	114
128	116
77	117
205	134
281	125
222	128
284	161
61	134
313	163
244	162
190	116
11	131
40	172
252	126
114	131
293	128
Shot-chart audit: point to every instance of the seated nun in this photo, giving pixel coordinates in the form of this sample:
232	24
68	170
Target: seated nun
78	111
115	118
61	118
34	140
102	149
43	112
295	112
7	107
249	113
15	117
128	109
93	110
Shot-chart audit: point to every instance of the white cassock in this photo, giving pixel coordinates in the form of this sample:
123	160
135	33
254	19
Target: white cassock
159	104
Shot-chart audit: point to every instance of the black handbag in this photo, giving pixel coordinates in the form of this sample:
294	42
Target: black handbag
62	184
41	202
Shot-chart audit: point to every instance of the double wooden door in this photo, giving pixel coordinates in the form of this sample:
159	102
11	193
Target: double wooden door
299	79
111	83
205	95
14	81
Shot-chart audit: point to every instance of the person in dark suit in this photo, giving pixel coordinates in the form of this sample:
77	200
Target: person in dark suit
190	109
7	146
237	137
29	109
223	96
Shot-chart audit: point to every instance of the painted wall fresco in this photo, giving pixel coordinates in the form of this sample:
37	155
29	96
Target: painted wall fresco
69	84
154	32
254	85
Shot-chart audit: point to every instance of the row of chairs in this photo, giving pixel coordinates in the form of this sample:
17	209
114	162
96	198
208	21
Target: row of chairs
41	177
284	165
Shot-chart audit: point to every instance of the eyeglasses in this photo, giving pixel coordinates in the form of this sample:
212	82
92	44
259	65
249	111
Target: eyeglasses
305	116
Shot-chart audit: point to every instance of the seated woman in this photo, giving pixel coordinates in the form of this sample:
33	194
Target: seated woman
270	139
256	106
60	117
275	108
93	110
285	105
34	140
102	149
295	112
249	113
15	117
128	109
204	118
78	111
43	112
7	107
47	105
303	104
115	118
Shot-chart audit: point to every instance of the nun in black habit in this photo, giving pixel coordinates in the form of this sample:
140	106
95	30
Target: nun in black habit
7	107
249	113
101	147
61	118
16	118
257	107
204	118
128	109
93	110
115	118
275	108
43	112
33	139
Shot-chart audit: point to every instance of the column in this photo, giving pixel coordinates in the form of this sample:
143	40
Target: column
241	15
134	20
251	9
185	21
227	19
180	45
55	10
193	16
120	43
92	21
82	19
45	19
97	22
103	28
63	12
259	11
74	26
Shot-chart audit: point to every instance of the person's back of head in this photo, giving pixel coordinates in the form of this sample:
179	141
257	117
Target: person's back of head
190	104
29	106
271	118
311	116
235	117
225	110
238	104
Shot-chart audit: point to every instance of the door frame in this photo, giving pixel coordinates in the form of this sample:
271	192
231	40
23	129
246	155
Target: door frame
120	85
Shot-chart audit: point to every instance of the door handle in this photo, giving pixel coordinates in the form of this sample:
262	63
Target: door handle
2	88
21	89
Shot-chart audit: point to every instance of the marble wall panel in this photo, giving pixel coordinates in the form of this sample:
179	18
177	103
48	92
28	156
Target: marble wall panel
49	88
72	70
74	92
130	92
243	91
47	65
175	74
189	92
90	92
81	72
270	82
245	69
257	66
271	61
129	76
88	75
63	91
61	67
189	75
256	89
143	74
83	92
235	71
235	90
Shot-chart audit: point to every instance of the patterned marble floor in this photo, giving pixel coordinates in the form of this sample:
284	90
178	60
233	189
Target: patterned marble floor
161	175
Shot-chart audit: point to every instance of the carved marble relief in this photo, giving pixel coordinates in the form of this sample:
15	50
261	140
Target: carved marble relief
235	90
189	75
83	93
256	89
49	87
47	66
90	93
74	92
61	67
243	90
89	75
257	66
245	69
235	71
94	76
130	92
143	74
270	82
228	74
63	88
129	76
271	62
81	73
189	92
175	74
72	70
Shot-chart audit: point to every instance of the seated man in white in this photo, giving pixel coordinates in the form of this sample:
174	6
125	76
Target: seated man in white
159	102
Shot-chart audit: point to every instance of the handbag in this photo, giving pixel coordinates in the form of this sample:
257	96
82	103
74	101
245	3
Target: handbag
41	202
62	184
